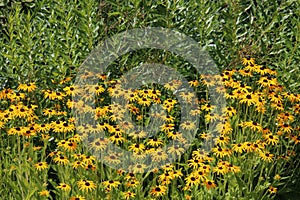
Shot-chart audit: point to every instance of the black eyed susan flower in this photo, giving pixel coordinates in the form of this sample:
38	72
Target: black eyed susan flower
41	166
90	166
278	106
88	159
16	96
262	70
220	169
137	148
172	85
245	72
285	127
291	97
199	154
2	124
101	112
205	135
176	150
169	118
275	98
70	146
224	127
211	117
67	127
77	198
210	184
49	112
158	191
187	96
195	163
128	195
271	139
44	193
230	111
166	177
77	156
234	168
230	95
117	139
249	99
195	112
248	146
238	94
154	93
156	100
86	185
188	125
43	128
116	117
144	93
226	74
71	90
207	107
252	125
192	180
244	88
63	160
55	153
98	89
174	135
64	187
208	80
194	83
264	82
110	184
239	148
130	176
130	95
112	158
115	91
144	101
125	125
27	87
168	167
272	190
99	144
222	140
201	174
78	164
266	156
114	129
170	102
138	168
17	131
159	155
277	177
167	127
154	142
296	139
57	96
252	67
61	143
168	107
23	112
4	94
285	116
132	183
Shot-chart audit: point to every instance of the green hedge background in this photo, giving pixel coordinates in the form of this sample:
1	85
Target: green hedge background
44	38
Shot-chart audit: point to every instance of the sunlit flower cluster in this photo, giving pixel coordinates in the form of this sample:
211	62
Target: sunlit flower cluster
256	130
